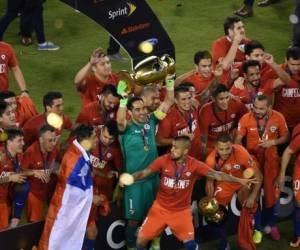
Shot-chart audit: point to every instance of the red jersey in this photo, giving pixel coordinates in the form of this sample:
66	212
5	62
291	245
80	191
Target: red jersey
34	159
7	60
92	115
234	165
25	110
287	99
248	95
295	144
201	83
220	48
175	123
214	123
8	165
175	191
274	125
31	128
111	159
92	88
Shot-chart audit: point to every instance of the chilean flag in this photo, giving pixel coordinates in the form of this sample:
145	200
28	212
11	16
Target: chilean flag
69	228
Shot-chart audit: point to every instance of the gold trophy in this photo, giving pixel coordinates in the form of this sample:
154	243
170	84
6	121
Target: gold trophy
151	70
212	211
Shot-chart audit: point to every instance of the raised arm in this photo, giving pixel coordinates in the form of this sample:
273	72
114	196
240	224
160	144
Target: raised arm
79	79
169	99
122	110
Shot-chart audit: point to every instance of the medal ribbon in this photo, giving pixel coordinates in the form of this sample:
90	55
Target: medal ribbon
100	155
178	172
145	136
261	130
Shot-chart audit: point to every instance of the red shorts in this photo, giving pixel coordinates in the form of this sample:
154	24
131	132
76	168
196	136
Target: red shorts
180	223
296	183
224	191
35	208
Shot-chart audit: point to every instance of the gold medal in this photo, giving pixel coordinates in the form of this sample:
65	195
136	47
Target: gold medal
146	148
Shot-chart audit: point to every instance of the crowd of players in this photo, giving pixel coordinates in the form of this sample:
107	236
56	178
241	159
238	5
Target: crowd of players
237	109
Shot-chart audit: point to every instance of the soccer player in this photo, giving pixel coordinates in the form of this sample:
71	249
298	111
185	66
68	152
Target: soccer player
231	159
182	119
11	155
22	105
220	116
41	155
293	149
231	47
137	140
104	109
172	206
251	85
264	129
53	103
68	213
38	164
8	61
204	78
287	98
90	80
110	164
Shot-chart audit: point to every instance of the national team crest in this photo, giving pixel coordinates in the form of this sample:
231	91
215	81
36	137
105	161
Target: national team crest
233	116
3	57
188	174
273	128
108	155
236	166
146	126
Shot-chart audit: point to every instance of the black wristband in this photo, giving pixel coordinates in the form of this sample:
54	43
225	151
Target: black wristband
25	91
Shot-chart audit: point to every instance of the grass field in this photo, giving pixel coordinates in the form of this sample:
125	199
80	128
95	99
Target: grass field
191	27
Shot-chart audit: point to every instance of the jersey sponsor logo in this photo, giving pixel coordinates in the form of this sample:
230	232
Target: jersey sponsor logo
171	183
290	92
223	128
253	129
273	128
137	131
2	68
187	130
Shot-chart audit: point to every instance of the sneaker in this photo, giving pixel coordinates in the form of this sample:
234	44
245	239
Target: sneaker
14	222
275	235
267	229
295	243
118	57
245	11
48	46
257	237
